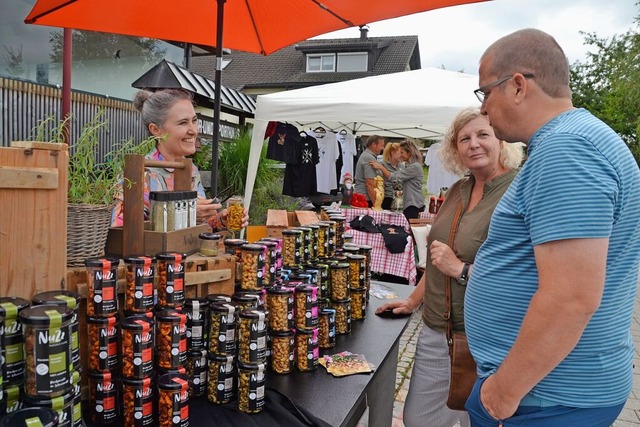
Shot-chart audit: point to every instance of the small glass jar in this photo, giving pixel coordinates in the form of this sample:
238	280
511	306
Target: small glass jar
102	291
323	239
278	251
327	328
173	400
191	198
280	304
222	329
171	279
222	370
367	250
323	279
47	350
331	243
253	267
307	352
196	370
306	243
45	417
292	248
339	281
235	213
251	387
103	398
159	218
246	299
306	311
218	299
63	405
209	244
137	347
358	303
13	397
171	341
343	316
347	238
282	351
252	336
138	396
340	221
232	247
140	274
270	262
102	348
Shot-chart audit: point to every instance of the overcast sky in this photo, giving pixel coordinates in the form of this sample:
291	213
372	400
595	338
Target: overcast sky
455	37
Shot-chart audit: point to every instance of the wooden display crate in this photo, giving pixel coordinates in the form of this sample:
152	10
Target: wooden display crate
279	220
185	240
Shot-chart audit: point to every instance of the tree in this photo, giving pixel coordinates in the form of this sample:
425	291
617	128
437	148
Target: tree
14	60
607	83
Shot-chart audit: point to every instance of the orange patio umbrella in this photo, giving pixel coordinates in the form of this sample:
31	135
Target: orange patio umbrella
259	26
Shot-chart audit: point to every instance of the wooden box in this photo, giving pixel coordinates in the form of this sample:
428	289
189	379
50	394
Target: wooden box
279	220
185	240
33	218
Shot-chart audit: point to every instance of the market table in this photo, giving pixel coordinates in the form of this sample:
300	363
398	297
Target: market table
383	261
342	401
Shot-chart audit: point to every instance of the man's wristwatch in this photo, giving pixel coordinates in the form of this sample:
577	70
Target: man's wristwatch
464	276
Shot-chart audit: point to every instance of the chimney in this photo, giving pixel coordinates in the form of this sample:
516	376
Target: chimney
364	29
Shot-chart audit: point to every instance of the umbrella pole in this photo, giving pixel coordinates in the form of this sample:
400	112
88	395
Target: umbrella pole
67	43
216	101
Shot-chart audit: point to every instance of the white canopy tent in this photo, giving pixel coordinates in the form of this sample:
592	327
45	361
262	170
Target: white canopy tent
418	104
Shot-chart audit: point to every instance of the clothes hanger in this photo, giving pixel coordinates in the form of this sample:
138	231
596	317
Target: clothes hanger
320	129
343	131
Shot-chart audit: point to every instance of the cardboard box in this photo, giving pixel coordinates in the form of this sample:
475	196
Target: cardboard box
279	220
185	240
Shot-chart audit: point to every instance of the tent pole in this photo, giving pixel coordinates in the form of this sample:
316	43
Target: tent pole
216	101
67	45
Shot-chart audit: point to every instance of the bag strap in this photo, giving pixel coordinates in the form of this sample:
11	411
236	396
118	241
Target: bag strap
447	279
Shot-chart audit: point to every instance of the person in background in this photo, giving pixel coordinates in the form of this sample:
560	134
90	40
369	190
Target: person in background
391	158
548	309
472	147
438	177
169	116
411	177
365	175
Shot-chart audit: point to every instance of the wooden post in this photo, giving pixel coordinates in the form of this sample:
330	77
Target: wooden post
133	188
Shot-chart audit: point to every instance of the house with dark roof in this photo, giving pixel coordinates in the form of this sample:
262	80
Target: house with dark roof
314	62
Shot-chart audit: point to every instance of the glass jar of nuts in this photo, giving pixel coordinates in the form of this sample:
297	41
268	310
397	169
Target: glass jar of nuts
307	352
252	336
171	341
253	266
282	351
357	273
292	248
280	304
103	397
222	370
137	347
171	279
327	328
222	329
251	387
235	213
306	311
102	295
339	281
343	316
173	400
197	310
103	333
140	273
358	303
196	369
138	396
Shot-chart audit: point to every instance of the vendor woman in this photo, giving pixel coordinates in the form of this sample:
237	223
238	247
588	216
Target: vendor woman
169	116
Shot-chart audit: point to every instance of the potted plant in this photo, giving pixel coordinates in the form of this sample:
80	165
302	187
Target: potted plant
92	185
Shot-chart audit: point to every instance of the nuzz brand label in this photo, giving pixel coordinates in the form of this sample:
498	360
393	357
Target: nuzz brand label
12	350
51	355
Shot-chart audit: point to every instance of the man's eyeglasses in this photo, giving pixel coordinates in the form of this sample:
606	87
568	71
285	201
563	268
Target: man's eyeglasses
482	94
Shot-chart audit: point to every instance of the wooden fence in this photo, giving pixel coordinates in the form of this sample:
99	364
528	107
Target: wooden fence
25	104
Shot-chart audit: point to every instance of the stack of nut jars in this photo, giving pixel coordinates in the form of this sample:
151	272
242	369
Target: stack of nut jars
69	407
197	312
306	321
11	353
171	341
138	342
222	349
103	322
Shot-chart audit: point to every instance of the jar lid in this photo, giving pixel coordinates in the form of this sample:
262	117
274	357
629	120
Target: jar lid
45	315
365	248
197	353
144	382
57	403
223	308
252	366
252	313
220	358
268	243
306	288
322	224
66	298
217	298
113	320
339	266
245	297
139	324
209	236
101	375
171	315
340	301
313	226
276	240
139	259
340	258
303	228
328	222
201	303
148	316
302	277
307	331
190	194
281	290
171	371
338	218
160	196
102	262
172	381
291	232
235	242
11	306
172	256
350	247
356	257
327	311
23	417
252	247
280	333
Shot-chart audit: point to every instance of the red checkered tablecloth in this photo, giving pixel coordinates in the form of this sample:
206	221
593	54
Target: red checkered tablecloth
426	215
380	217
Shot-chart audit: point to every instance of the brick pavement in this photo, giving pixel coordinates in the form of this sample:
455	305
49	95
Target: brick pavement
630	416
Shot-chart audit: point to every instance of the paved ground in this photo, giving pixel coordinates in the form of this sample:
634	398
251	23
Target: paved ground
630	416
